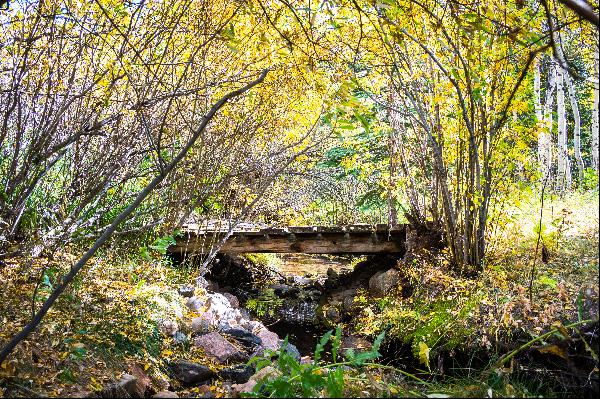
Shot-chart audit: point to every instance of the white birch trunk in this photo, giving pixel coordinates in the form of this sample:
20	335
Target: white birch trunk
545	136
564	173
577	127
537	93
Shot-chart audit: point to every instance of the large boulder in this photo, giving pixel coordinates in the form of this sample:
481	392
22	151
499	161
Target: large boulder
218	348
189	373
222	311
382	283
216	312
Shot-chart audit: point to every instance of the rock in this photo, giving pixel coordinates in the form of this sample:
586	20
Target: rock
332	274
248	386
302	281
215	346
333	315
285	291
293	351
348	300
201	283
205	391
237	389
358	344
381	283
221	309
252	325
189	373
143	383
165	395
235	303
239	374
195	304
186	291
180	338
203	323
269	339
247	339
306	360
168	327
268	371
125	387
213	286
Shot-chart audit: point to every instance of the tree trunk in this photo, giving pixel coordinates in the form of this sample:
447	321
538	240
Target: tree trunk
545	136
577	127
537	93
563	177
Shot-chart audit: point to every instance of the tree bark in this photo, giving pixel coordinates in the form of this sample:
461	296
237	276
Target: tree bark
545	136
577	126
563	177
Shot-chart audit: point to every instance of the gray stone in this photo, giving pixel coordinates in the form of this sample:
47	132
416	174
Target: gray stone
235	303
332	274
186	291
203	323
238	374
333	315
168	327
269	339
165	395
189	373
358	344
284	290
293	351
195	304
125	387
201	283
215	346
180	338
247	339
382	283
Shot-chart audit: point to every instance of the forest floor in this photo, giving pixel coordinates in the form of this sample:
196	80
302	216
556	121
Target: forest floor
106	324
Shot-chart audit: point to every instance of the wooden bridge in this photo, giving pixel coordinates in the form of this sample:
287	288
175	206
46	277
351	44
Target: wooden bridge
351	239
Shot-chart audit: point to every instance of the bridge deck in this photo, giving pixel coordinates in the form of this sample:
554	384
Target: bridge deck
355	239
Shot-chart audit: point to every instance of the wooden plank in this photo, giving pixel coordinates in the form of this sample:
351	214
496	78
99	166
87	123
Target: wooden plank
298	241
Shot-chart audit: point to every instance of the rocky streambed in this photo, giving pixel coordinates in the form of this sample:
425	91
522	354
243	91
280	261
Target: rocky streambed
242	309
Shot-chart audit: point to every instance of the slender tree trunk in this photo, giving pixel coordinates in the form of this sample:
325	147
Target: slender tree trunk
537	92
577	127
545	136
563	178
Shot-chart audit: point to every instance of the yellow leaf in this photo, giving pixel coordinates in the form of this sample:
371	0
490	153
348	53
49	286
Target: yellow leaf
424	354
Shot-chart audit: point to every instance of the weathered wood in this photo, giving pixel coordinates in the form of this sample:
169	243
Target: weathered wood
357	239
